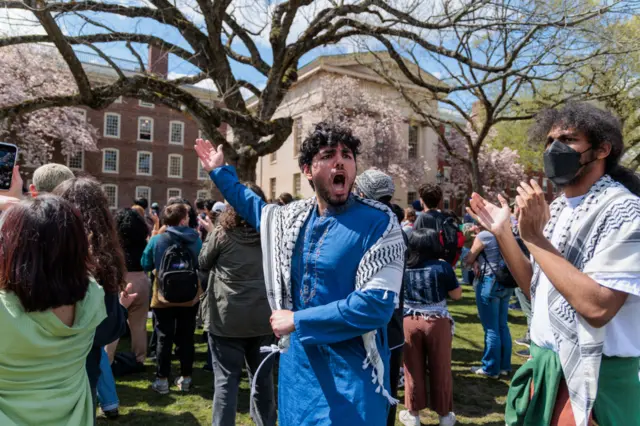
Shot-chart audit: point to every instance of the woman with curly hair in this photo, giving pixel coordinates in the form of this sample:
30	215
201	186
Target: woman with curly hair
233	253
108	259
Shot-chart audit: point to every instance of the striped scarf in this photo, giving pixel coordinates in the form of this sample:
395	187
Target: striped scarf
602	236
280	228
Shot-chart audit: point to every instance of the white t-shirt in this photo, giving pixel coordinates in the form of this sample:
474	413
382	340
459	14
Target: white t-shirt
622	333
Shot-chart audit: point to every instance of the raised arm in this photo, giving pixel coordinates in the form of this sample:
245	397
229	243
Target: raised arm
497	220
246	202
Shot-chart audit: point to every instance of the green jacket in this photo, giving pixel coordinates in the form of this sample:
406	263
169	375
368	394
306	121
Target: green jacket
43	378
236	295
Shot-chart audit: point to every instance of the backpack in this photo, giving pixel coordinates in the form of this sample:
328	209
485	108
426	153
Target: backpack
177	275
503	274
450	238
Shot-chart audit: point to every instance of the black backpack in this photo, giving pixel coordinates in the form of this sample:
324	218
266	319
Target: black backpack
448	231
503	274
177	275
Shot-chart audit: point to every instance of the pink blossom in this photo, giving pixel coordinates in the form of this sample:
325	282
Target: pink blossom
30	73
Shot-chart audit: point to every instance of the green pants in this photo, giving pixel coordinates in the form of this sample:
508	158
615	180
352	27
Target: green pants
617	402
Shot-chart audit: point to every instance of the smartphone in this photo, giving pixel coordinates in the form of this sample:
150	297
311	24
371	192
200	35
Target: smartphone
8	157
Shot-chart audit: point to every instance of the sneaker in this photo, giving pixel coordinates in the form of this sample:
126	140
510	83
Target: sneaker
407	419
481	372
161	386
183	383
523	342
524	353
448	420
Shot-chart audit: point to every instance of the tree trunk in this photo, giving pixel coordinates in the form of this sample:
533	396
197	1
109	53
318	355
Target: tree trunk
246	167
476	183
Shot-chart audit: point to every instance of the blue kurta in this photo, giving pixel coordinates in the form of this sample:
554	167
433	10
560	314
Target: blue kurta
322	381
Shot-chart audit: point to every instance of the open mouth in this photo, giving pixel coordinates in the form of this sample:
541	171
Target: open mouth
339	184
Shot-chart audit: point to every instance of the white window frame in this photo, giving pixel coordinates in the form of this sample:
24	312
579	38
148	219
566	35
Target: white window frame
169	166
151	133
145	104
148	188
273	189
118	100
174	189
297	136
104	130
297	192
76	168
201	169
117	151
415	197
171	123
409	146
273	157
138	172
446	173
203	194
104	185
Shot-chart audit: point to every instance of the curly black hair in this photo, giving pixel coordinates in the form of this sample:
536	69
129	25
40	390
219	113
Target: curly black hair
326	134
598	125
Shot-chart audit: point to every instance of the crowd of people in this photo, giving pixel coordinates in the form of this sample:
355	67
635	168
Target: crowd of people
346	291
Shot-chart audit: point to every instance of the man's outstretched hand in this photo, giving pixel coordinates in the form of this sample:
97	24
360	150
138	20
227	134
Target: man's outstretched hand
210	157
493	218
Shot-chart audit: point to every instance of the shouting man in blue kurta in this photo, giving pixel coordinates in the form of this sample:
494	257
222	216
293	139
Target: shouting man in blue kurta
333	268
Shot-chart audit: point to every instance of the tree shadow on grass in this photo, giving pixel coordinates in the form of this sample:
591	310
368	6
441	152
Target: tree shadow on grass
152	418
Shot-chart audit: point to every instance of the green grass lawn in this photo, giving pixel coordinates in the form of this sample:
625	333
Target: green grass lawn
477	400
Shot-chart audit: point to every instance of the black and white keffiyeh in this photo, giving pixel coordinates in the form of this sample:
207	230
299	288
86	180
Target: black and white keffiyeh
380	268
602	236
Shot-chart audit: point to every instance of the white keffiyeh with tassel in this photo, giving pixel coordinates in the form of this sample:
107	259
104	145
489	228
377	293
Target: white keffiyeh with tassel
602	236
280	228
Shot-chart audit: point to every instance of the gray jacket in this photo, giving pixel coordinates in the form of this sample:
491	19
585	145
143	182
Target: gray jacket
236	294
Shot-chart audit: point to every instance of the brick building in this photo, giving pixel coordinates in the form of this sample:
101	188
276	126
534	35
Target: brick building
144	150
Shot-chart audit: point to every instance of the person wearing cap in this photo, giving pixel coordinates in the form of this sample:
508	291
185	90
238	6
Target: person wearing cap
376	185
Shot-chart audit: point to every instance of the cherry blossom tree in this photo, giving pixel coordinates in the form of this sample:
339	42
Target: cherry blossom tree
28	74
377	122
499	168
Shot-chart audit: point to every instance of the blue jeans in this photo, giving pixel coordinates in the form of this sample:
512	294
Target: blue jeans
493	306
107	396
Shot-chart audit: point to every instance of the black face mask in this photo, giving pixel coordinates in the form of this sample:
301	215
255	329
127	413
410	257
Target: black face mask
562	163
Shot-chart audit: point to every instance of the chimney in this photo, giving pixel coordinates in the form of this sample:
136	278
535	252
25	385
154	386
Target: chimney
158	61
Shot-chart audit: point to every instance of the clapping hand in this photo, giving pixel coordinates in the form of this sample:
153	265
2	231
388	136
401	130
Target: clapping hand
491	217
534	211
210	157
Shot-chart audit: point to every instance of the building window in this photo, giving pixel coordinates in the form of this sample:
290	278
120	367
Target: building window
76	161
447	174
111	125
272	188
110	160
176	132
273	157
413	141
174	170
111	192
297	136
173	192
545	185
143	192
145	129
297	184
411	197
145	163
146	104
203	194
202	173
446	203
